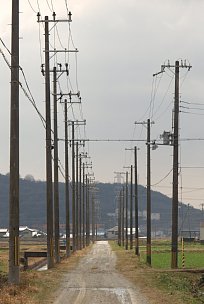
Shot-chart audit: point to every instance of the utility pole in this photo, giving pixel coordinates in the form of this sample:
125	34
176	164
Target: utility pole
80	202
119	218
136	206
67	202
123	216
148	143
50	257
73	194
174	249
75	214
56	176
131	205
83	205
93	219
174	238
14	271
126	212
121	207
87	212
148	258
77	195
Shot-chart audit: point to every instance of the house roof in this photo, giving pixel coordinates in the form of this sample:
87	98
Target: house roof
23	228
3	230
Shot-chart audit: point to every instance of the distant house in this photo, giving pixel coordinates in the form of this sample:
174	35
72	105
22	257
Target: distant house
3	232
112	233
24	232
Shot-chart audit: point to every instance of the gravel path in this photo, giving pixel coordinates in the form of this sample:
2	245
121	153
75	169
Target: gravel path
95	280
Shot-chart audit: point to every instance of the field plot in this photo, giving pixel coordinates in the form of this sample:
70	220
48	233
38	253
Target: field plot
25	245
193	255
160	283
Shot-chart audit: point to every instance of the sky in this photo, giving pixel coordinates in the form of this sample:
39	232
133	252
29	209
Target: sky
121	45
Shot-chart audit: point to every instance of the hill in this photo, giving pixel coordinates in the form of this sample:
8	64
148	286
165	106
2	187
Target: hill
33	206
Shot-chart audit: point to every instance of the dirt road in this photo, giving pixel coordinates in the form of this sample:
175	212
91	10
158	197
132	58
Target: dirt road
95	280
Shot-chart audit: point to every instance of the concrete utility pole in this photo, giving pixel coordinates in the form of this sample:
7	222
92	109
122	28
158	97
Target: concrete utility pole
67	201
77	195
93	218
73	193
131	206
148	143
50	257
119	217
80	202
83	205
136	206
148	258
87	213
126	212
123	216
56	176
14	273
174	240
174	249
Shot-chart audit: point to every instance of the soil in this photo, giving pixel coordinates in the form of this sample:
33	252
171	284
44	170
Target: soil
96	280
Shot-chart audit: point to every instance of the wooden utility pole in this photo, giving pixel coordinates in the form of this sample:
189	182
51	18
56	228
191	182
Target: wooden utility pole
126	212
148	257
14	273
67	201
136	206
56	176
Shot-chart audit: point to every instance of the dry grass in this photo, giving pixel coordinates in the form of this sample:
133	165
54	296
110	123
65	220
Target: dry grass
158	286
35	287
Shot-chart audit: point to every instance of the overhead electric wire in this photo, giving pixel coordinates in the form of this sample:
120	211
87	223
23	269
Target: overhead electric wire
162	179
192	113
29	97
49	6
32	7
193	103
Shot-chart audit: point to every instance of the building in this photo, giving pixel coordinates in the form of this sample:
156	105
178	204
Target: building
3	232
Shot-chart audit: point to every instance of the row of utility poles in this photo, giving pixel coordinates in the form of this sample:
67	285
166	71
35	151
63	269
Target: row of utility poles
82	184
124	197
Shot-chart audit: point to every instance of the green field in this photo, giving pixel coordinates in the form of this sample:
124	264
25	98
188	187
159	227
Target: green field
161	255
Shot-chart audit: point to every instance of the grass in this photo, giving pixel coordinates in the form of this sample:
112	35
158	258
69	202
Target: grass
161	286
35	287
161	255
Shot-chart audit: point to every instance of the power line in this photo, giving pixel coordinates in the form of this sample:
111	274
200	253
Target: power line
162	178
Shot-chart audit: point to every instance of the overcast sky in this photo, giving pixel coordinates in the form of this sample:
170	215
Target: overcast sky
121	44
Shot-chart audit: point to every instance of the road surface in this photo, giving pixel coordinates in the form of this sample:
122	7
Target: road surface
95	280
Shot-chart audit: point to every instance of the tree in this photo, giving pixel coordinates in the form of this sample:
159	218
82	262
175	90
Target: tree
29	178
